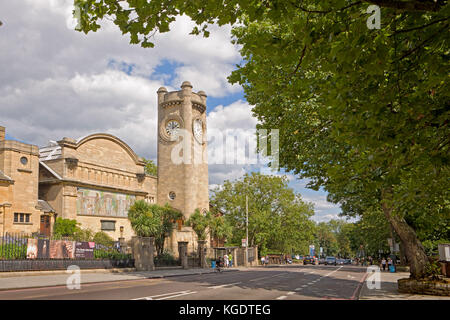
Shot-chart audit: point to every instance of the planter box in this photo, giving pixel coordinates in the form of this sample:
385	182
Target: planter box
428	287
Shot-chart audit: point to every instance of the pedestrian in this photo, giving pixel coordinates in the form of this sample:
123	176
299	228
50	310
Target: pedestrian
263	262
225	260
389	264
267	259
230	259
383	264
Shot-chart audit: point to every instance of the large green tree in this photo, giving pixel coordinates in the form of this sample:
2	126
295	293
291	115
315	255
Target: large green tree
363	113
278	219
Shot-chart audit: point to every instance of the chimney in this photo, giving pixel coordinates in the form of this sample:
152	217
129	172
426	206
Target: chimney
2	133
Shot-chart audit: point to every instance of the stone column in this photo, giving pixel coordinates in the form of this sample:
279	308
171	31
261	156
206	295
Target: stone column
182	252
234	254
202	253
143	253
246	256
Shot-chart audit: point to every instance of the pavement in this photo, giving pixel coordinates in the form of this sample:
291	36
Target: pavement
388	289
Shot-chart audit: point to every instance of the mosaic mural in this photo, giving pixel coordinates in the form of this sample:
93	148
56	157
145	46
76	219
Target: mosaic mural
100	203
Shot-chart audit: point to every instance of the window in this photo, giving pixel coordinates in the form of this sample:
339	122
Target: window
22	217
108	225
24	160
172	195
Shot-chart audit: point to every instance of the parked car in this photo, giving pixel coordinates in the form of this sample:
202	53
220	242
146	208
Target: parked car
310	260
347	261
340	261
322	260
330	260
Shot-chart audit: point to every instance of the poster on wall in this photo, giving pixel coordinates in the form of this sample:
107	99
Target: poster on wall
100	203
84	250
32	248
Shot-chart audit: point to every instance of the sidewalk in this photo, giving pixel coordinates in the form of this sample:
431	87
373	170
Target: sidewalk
388	290
20	280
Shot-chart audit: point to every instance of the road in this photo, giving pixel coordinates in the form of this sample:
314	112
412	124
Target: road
279	283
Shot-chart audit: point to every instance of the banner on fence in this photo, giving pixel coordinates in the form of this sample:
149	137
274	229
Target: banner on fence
59	249
84	250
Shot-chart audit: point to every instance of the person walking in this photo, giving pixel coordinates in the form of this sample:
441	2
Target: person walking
383	264
263	261
225	260
230	259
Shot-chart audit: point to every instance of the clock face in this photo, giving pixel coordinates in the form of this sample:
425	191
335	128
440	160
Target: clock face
198	129
172	128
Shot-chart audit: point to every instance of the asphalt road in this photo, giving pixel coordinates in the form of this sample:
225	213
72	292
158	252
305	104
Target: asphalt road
280	283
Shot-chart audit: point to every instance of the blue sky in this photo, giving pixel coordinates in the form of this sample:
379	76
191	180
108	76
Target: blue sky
56	82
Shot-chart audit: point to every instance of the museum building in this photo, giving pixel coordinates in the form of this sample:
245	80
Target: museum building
95	179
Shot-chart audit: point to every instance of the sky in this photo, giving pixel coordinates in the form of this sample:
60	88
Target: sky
56	82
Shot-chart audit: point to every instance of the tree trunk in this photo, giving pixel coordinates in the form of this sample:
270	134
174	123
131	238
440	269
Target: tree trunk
414	250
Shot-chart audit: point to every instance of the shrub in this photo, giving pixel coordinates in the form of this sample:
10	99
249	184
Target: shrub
64	227
103	239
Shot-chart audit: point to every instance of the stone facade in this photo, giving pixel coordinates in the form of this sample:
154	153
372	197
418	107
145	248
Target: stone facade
96	178
19	168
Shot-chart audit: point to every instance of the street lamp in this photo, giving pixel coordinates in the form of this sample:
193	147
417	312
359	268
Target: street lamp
4	206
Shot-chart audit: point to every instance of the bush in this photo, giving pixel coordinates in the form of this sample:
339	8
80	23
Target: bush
103	239
110	254
83	235
13	251
165	259
64	227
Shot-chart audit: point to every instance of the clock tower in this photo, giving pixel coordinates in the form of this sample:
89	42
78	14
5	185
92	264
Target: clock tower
182	154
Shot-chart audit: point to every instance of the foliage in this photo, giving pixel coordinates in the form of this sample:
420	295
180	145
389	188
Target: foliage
103	239
111	254
220	228
278	218
165	259
200	223
13	251
150	167
83	234
152	220
65	227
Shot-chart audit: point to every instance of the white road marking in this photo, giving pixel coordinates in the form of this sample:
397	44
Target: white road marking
290	293
298	289
162	295
282	298
178	295
223	285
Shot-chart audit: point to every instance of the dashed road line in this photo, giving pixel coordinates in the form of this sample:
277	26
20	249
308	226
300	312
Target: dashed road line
281	297
223	285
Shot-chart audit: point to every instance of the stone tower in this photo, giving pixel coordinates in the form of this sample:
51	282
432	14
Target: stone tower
182	154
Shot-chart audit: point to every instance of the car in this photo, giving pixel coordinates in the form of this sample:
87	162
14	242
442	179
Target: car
330	260
322	260
347	261
310	260
340	261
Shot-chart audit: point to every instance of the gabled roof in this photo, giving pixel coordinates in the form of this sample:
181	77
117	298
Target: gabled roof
44	206
57	176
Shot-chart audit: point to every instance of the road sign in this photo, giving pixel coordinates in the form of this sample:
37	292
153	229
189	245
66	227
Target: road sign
244	242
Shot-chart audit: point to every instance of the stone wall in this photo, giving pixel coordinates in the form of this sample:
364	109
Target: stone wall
428	287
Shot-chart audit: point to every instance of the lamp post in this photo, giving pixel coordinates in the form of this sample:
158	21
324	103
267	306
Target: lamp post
4	206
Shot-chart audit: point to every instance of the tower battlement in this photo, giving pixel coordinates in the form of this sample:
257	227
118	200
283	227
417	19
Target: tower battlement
173	98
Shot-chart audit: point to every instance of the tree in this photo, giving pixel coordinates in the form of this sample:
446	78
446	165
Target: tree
150	167
362	113
152	220
278	218
200	223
